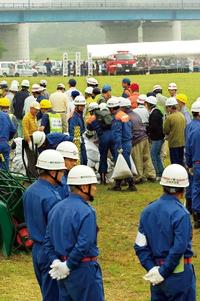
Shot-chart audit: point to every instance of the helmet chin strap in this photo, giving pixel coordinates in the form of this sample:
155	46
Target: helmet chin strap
55	178
91	198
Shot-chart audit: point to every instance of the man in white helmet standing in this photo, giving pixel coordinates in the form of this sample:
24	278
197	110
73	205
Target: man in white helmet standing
163	243
74	251
77	127
38	200
69	151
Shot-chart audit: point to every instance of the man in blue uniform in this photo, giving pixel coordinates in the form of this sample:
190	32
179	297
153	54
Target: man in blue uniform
122	135
71	240
7	132
77	127
163	243
39	199
192	155
69	151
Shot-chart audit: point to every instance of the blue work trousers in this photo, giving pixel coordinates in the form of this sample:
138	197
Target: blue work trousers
83	284
5	151
48	286
83	154
127	147
196	188
177	155
106	143
176	287
156	146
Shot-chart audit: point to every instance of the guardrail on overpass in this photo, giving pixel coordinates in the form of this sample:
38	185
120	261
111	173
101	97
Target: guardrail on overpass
161	5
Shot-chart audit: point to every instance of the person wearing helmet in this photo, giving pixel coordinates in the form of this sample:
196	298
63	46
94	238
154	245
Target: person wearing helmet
7	132
77	127
74	251
100	121
126	86
71	156
18	104
29	125
36	94
60	105
141	110
182	100
51	122
192	155
89	99
161	99
92	82
134	88
155	133
38	199
43	84
105	94
163	243
172	89
174	128
4	88
5	107
14	88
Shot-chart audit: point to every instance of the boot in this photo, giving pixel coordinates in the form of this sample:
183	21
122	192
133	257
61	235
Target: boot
103	178
117	186
131	185
196	218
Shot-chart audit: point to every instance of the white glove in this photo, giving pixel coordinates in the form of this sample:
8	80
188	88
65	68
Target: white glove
154	276
59	270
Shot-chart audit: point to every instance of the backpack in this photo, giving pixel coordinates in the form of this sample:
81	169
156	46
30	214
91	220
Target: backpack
105	118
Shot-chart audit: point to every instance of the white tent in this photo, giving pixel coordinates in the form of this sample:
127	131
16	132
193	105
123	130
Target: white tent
147	48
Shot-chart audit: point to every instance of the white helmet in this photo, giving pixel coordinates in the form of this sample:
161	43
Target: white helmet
141	98
36	88
68	150
80	100
38	139
93	106
171	101
15	82
43	82
81	175
103	106
25	83
152	100
174	175
195	107
172	86
156	87
51	159
92	81
113	102
35	104
124	102
89	90
14	87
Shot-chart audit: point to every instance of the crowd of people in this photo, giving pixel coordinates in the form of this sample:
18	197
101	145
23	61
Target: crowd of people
53	129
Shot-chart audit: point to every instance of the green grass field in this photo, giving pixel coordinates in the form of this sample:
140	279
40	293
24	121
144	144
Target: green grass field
118	217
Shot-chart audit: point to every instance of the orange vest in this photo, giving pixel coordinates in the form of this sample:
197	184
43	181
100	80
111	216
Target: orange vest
133	98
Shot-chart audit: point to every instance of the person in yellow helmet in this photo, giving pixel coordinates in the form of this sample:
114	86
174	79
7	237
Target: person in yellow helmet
51	121
182	100
5	107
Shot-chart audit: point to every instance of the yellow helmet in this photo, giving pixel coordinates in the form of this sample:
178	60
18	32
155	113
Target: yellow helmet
45	104
182	97
4	102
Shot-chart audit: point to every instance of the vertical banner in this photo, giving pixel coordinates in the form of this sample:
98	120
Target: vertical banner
90	64
78	63
65	64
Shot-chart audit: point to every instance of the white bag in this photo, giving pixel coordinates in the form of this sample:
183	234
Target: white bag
121	170
133	167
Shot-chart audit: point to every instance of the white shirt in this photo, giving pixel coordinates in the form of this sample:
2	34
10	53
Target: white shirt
143	113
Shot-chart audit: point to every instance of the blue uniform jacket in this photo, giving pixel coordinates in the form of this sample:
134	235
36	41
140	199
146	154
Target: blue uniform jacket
166	225
38	200
63	189
192	140
72	231
54	139
7	128
121	129
76	121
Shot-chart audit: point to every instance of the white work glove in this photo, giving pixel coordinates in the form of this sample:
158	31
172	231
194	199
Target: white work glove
154	276
59	270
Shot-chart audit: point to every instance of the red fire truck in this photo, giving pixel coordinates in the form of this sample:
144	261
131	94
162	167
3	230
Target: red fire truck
123	62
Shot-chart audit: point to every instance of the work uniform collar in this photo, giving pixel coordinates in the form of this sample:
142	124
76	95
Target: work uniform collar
78	197
170	197
45	182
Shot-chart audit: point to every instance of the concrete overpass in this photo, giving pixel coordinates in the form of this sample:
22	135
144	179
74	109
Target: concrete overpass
153	18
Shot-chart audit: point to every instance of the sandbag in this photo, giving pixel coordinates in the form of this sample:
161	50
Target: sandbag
133	167
121	169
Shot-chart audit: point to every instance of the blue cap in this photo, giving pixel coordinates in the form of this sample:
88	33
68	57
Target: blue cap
106	88
75	93
72	82
126	81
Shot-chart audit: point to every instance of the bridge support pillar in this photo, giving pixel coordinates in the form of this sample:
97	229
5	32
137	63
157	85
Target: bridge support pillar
176	30
15	39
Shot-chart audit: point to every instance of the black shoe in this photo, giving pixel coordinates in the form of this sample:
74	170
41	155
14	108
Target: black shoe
141	181
131	188
115	188
153	180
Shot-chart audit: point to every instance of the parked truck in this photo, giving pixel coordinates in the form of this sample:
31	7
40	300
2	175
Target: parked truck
123	62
